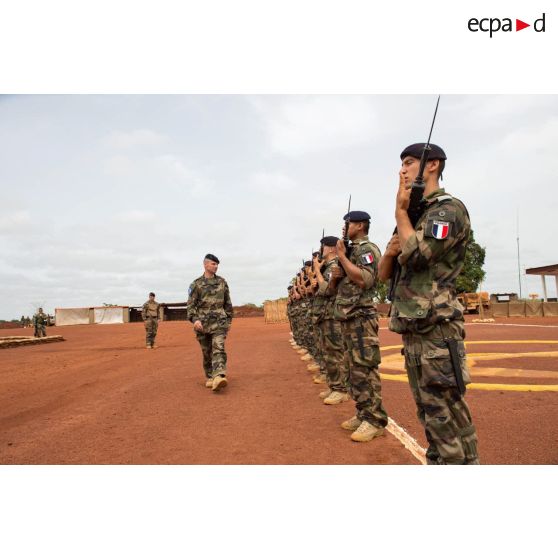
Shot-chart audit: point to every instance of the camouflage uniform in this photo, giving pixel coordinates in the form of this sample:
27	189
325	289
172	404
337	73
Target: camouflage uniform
150	317
209	302
40	320
354	308
426	311
331	335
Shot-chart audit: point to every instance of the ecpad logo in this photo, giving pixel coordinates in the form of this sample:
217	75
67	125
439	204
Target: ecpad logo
492	25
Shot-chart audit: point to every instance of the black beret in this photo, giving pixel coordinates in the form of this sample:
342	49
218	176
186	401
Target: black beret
212	258
356	216
289	287
314	254
329	240
415	150
307	263
151	294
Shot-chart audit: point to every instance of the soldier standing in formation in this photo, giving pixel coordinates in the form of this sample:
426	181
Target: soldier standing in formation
425	309
150	317
354	307
40	320
330	335
210	310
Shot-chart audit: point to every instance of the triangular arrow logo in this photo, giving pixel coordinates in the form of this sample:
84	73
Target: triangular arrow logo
519	25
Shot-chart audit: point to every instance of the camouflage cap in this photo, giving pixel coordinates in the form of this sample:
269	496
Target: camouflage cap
329	240
415	150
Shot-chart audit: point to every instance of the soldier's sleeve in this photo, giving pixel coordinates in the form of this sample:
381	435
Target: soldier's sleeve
228	303
368	259
192	304
144	311
444	226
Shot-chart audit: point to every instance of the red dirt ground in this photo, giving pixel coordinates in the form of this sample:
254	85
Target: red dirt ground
101	397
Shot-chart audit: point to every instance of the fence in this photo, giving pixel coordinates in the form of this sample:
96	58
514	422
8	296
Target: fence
275	311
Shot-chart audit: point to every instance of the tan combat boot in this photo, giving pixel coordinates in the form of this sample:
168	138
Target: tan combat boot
366	432
302	351
325	393
314	367
153	346
336	397
320	379
352	424
148	346
209	383
307	356
219	382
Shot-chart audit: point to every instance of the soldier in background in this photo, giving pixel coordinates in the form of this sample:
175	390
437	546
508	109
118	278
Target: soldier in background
150	317
210	310
425	309
329	330
354	307
39	322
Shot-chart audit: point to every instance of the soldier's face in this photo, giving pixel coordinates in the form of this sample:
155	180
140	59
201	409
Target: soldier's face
410	168
151	297
210	266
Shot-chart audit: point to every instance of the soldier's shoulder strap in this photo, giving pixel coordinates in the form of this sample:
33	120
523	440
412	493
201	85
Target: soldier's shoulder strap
448	197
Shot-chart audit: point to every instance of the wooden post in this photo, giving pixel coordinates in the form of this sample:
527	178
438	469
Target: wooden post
545	296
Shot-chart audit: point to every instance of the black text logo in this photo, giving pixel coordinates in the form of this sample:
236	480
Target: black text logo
493	25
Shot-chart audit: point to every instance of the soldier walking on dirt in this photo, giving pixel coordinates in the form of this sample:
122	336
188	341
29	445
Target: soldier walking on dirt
40	320
425	309
150	317
354	307
210	310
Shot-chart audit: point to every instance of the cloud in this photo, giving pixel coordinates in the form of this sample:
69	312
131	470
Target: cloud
271	182
17	220
135	138
302	125
136	216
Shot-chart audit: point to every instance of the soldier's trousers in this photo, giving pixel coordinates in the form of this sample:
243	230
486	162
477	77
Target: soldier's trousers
361	345
40	331
213	351
441	408
151	325
331	336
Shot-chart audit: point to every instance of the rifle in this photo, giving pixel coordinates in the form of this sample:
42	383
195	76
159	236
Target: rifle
322	246
416	205
348	249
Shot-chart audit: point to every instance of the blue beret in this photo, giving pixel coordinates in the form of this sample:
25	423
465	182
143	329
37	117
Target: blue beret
356	216
212	258
415	150
329	240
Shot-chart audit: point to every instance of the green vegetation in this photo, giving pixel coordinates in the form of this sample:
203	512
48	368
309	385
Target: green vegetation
472	273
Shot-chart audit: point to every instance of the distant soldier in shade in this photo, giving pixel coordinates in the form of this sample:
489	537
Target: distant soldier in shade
150	317
40	320
210	310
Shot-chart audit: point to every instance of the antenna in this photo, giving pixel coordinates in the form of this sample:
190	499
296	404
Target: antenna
518	258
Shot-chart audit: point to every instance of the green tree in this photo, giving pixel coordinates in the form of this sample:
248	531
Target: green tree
380	292
472	273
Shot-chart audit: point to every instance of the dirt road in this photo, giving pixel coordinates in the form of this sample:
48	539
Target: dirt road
101	397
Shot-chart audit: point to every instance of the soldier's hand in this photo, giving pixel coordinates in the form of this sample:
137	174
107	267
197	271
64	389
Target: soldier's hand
393	248
340	248
337	272
403	194
198	325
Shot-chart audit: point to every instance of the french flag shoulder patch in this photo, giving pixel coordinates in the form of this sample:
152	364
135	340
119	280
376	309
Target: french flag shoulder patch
440	229
367	259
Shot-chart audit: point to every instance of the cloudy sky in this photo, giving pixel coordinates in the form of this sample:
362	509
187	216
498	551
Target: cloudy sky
104	198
